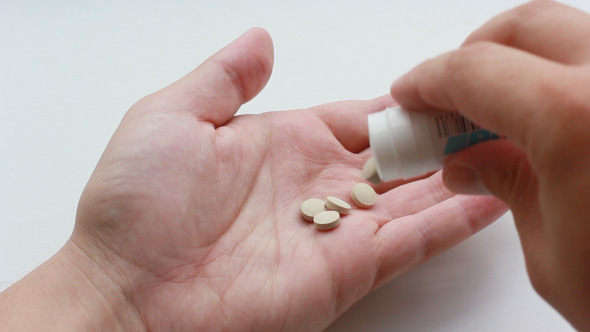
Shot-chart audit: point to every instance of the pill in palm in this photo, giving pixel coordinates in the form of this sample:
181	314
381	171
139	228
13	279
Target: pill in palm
369	171
336	204
327	220
311	207
363	195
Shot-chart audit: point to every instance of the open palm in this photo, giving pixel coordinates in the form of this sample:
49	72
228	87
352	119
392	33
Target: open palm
204	205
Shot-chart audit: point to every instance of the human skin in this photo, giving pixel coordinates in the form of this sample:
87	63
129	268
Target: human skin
191	222
525	75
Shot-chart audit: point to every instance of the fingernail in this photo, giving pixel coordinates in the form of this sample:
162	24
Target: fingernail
464	180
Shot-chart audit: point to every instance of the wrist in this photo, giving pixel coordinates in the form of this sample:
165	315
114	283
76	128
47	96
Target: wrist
78	289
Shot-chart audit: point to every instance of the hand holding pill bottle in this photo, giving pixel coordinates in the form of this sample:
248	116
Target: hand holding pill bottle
406	144
526	76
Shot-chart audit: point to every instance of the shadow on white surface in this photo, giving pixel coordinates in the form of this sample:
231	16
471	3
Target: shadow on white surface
458	291
404	303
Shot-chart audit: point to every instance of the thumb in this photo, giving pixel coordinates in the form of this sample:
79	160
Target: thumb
498	167
501	168
216	89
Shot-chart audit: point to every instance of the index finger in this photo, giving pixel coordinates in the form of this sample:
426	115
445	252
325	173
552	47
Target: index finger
546	28
503	89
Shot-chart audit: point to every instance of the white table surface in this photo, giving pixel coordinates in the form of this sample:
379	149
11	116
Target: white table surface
70	69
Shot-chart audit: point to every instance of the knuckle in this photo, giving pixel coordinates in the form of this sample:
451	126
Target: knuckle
461	63
519	23
238	82
567	104
532	10
568	96
540	284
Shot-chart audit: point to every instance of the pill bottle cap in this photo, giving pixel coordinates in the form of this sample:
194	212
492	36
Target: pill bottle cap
394	145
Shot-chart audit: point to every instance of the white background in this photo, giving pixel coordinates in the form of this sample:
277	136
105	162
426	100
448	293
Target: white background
70	69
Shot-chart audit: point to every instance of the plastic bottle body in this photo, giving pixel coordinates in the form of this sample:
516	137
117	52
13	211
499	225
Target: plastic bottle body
409	144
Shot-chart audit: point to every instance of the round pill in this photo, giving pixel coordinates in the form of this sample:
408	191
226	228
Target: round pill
327	220
336	204
363	195
311	207
369	171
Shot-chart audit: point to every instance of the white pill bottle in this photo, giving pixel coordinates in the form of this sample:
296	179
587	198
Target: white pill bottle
410	144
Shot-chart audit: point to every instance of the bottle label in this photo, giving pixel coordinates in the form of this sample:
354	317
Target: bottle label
459	142
460	132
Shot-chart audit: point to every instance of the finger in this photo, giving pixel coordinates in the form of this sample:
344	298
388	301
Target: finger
498	87
411	240
219	86
411	198
545	28
347	120
503	169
